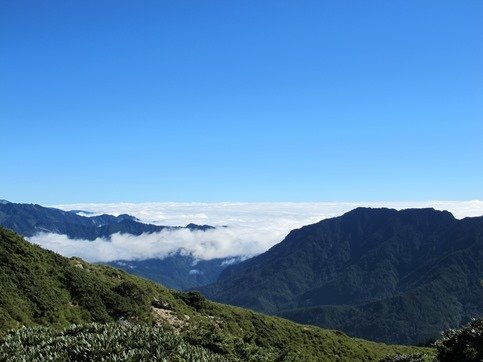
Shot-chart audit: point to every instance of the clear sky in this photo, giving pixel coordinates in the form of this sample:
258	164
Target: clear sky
108	101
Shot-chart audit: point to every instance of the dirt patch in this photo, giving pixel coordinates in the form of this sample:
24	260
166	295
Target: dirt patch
166	316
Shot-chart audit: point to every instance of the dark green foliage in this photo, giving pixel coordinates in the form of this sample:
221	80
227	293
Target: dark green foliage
193	299
418	357
381	274
96	342
462	345
38	287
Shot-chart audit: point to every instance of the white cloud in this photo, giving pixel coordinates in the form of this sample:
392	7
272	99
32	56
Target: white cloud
252	227
216	243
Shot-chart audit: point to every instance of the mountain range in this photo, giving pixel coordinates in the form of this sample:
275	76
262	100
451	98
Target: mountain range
178	270
381	274
31	219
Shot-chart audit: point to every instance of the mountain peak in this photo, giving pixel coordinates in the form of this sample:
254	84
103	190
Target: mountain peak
388	211
127	217
192	226
420	214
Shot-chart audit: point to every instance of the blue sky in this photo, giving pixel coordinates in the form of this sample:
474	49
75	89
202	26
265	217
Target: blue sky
108	101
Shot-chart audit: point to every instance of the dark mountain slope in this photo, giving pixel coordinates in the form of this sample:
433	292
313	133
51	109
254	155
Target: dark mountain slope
177	271
38	287
397	276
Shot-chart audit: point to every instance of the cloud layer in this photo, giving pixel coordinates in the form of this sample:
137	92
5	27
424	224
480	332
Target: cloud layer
252	228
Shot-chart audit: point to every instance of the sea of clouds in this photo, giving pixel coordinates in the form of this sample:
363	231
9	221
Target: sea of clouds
242	229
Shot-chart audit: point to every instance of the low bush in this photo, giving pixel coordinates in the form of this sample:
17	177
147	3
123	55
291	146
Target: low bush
464	344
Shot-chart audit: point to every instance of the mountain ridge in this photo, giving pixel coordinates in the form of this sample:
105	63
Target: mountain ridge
367	263
30	219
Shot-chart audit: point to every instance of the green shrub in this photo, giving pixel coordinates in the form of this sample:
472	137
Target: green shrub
193	299
465	344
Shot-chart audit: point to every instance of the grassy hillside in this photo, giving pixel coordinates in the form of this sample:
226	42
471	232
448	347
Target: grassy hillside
38	287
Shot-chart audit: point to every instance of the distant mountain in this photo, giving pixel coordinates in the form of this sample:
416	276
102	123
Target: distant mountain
30	219
381	274
42	288
177	271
